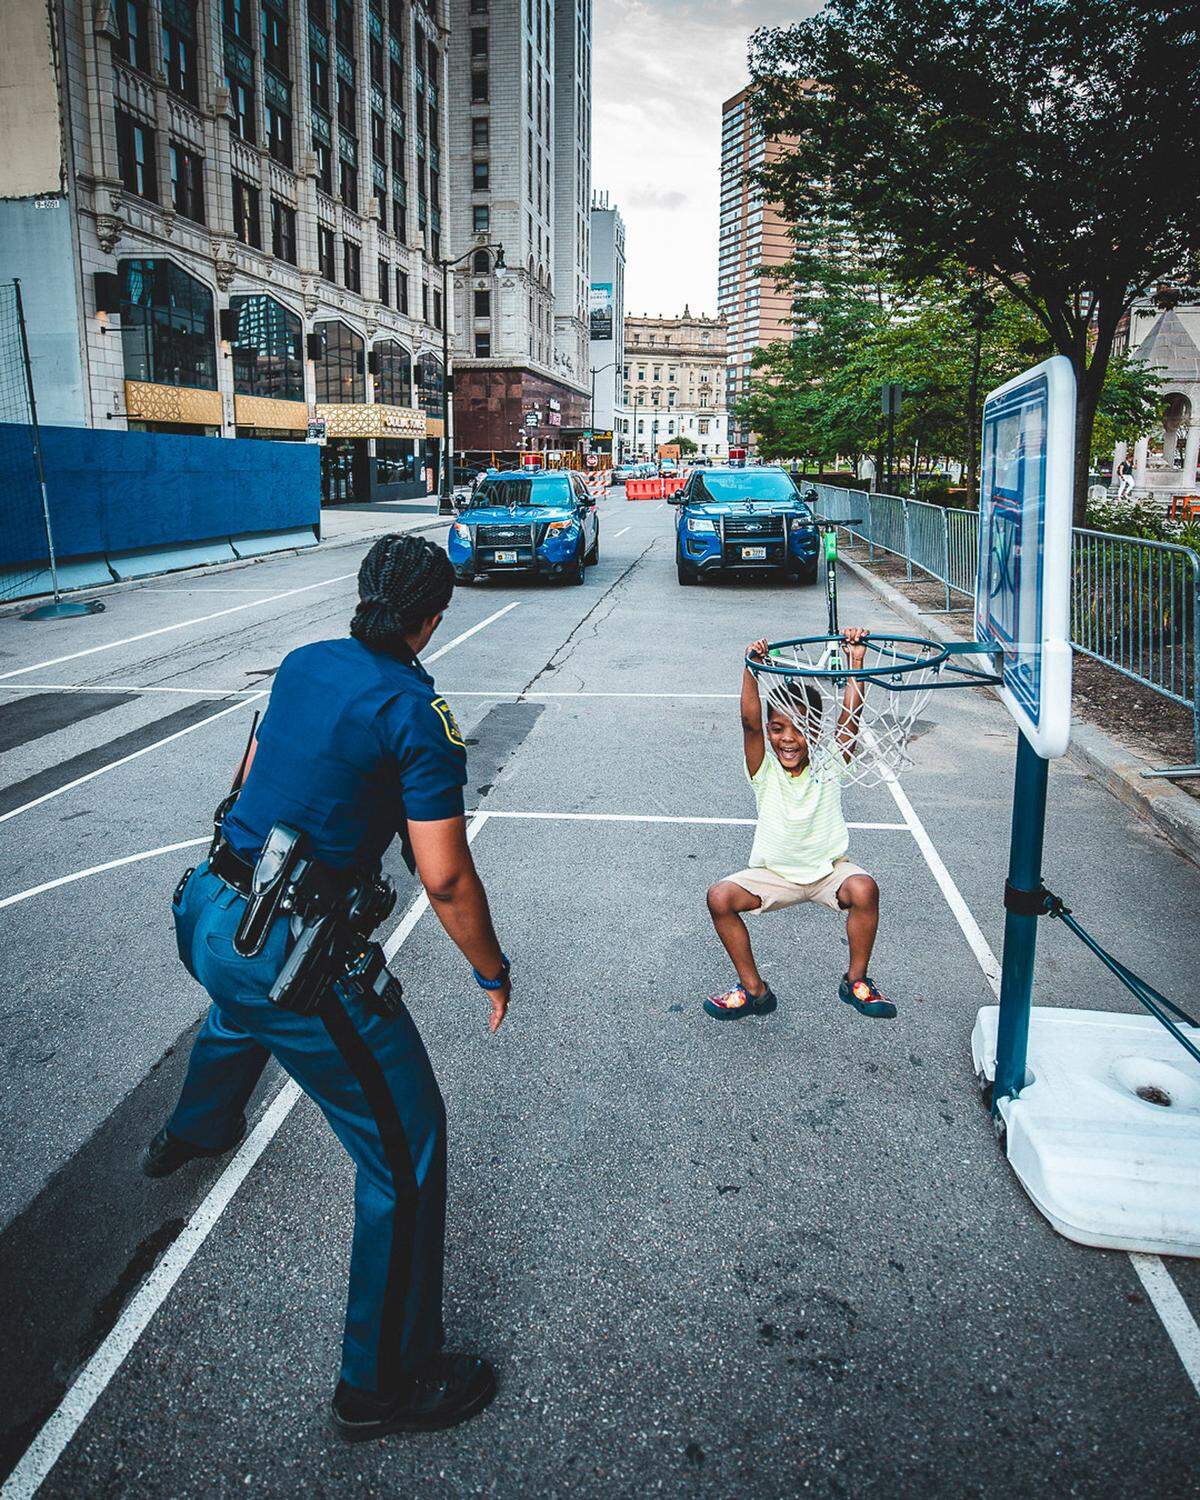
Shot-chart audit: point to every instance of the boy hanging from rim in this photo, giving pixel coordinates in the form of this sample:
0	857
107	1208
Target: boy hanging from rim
800	841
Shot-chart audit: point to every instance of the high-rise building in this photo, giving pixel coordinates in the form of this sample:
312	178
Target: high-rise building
607	328
753	234
226	216
675	383
520	146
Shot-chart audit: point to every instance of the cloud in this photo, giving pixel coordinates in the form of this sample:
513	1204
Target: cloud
661	70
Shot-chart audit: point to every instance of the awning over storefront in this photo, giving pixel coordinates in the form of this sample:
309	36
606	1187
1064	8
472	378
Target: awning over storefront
371	420
145	402
267	411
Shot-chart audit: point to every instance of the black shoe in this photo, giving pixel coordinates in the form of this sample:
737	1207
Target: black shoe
166	1153
448	1389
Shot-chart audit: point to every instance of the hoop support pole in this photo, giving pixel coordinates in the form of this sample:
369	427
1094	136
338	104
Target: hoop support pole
1020	921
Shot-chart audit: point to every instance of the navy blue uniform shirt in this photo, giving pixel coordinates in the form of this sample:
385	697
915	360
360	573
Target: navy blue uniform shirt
352	744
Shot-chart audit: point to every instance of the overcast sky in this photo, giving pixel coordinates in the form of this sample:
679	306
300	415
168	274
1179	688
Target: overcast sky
661	69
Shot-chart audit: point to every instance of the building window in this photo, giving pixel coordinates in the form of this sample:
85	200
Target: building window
479	176
133	36
375	61
238	18
479	87
187	183
324	159
275	40
437	309
481	218
351	266
279	132
483	346
480	131
166	325
402	291
241	97
179	47
341	371
347	111
268	353
379	140
483	302
318	80
136	165
385	283
481	263
325	252
399	218
393	384
479	41
348	188
430	386
247	224
283	231
479	7
343	23
425	301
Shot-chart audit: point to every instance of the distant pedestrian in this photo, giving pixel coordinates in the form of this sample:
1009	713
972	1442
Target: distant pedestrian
1124	479
356	748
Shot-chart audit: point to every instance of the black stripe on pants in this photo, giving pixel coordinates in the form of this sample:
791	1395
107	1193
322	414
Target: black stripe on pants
363	1063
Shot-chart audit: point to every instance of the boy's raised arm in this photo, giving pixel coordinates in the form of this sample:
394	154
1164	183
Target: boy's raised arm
753	742
855	641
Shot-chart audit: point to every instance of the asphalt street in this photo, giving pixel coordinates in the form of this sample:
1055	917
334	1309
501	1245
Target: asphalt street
780	1256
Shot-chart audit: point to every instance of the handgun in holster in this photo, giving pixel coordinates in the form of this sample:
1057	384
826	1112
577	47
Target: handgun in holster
278	869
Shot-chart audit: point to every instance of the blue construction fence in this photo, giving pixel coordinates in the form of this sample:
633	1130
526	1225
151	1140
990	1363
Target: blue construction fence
127	504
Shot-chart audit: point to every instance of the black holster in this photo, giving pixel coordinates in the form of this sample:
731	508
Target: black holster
274	876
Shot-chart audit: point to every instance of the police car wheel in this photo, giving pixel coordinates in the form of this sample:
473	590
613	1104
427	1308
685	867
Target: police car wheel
804	576
579	572
593	556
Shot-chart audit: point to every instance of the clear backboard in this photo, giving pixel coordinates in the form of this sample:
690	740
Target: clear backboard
1023	584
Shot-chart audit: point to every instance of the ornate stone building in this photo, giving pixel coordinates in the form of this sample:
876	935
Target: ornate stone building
232	221
675	384
1165	460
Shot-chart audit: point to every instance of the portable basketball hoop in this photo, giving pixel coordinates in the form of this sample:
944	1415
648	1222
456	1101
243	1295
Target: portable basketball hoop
805	679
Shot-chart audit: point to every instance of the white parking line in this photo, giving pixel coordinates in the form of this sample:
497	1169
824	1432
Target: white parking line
1177	1319
111	864
119	687
92	1381
145	635
133	755
466	635
623	530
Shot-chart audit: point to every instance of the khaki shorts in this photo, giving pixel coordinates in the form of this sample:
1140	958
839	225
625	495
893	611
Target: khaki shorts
774	891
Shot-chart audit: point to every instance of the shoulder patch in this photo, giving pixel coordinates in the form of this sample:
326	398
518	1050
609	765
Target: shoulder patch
449	722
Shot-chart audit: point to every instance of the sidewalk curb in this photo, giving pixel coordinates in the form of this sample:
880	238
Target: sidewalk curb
326	544
1114	765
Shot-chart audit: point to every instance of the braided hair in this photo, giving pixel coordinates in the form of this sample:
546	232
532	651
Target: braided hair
402	582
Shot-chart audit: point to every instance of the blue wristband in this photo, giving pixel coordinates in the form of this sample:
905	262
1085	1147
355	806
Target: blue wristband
493	984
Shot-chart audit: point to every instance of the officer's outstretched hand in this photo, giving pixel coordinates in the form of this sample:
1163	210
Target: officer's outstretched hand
499	1001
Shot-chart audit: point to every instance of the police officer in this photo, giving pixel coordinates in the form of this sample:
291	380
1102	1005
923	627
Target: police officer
355	748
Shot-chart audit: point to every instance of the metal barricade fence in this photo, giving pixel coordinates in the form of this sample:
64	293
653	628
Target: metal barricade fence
1135	604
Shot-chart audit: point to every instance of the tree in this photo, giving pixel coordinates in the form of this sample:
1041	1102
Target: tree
685	445
1040	142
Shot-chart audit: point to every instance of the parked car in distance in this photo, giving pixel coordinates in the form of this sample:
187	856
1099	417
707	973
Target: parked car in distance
526	521
743	520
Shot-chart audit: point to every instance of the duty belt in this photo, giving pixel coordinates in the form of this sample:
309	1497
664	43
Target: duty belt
228	864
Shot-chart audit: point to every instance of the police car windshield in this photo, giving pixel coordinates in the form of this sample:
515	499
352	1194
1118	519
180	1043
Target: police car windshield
745	484
554	489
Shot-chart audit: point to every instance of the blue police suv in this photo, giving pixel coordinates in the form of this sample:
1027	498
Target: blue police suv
744	520
527	521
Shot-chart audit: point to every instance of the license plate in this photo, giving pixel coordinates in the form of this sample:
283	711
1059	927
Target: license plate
506	557
754	554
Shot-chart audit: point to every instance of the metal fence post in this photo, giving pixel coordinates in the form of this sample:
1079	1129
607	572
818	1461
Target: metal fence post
907	544
946	555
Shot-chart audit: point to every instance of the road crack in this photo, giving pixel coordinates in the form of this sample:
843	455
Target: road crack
558	659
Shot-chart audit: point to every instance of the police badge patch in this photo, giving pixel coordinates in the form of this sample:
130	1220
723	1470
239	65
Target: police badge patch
449	722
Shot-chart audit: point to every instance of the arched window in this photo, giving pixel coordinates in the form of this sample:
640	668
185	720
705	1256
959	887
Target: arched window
167	334
393	383
268	355
481	263
430	392
342	369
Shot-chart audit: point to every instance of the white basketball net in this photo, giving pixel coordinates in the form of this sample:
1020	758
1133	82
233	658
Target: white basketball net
885	719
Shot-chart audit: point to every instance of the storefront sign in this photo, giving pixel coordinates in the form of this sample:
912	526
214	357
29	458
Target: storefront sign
317	431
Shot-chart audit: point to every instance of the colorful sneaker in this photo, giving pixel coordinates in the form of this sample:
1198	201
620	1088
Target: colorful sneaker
737	1002
865	998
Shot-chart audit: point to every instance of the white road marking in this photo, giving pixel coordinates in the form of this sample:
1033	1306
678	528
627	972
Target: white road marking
1173	1310
116	687
623	530
219	692
564	693
606	817
145	635
92	1381
1168	1302
111	864
450	645
133	755
212	718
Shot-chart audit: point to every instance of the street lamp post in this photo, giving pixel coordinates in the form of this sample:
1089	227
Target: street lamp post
598	370
445	501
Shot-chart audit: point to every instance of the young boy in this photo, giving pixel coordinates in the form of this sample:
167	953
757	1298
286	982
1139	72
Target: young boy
800	844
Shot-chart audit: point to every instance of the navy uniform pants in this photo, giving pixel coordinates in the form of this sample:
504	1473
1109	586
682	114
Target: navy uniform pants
371	1078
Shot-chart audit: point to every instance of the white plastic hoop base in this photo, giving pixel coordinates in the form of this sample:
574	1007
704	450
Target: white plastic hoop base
1105	1166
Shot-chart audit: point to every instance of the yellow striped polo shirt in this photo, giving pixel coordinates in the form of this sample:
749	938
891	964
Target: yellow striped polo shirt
801	831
